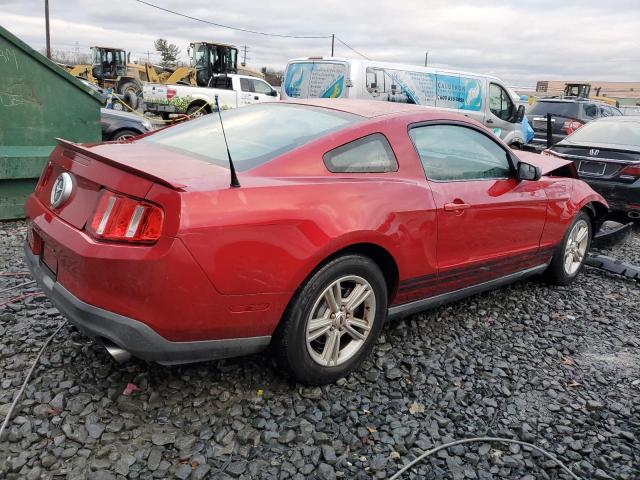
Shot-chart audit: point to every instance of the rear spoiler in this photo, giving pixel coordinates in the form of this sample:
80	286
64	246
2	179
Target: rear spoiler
127	168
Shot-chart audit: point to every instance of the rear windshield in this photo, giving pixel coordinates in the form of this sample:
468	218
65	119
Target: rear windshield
619	133
564	109
256	134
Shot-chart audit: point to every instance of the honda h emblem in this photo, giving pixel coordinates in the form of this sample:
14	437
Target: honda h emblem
594	152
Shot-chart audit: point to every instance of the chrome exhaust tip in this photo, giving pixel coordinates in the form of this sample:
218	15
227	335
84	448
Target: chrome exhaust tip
633	215
120	355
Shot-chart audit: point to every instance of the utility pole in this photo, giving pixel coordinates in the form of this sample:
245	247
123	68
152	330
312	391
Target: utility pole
244	55
426	58
46	20
333	39
148	56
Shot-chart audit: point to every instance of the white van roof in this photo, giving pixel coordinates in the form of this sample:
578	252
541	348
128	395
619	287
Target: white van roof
392	65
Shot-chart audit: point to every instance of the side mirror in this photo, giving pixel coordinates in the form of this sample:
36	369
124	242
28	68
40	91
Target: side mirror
526	171
519	114
274	93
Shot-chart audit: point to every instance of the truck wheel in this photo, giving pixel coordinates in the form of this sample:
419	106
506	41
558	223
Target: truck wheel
333	322
195	111
130	92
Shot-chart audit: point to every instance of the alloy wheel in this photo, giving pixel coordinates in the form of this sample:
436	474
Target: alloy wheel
576	247
340	320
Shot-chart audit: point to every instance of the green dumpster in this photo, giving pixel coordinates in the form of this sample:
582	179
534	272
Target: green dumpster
39	101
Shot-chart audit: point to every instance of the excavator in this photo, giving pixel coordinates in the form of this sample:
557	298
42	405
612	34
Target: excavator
583	90
111	68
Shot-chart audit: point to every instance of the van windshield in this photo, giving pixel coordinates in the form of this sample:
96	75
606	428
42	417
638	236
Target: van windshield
314	79
256	133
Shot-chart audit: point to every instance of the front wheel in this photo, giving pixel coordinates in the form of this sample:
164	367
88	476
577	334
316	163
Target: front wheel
569	258
195	111
333	322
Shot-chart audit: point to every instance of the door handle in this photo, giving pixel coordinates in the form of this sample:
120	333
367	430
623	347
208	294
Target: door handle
255	97
455	207
489	120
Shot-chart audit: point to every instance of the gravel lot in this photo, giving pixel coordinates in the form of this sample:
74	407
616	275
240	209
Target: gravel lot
555	366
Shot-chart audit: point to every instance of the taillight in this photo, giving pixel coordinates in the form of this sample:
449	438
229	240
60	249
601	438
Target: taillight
571	126
631	171
124	219
44	178
171	92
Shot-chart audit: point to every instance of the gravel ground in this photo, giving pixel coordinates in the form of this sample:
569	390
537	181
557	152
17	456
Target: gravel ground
555	366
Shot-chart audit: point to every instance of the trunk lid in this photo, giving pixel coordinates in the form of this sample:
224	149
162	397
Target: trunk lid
593	161
127	168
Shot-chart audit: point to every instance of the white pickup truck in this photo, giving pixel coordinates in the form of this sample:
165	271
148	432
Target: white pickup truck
232	90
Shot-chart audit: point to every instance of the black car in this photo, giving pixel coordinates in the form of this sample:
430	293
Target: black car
117	125
607	155
568	115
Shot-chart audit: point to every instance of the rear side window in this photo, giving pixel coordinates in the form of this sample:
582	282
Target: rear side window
561	109
256	134
370	154
454	153
590	110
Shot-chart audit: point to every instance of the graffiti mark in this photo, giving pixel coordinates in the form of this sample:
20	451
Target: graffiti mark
11	99
8	55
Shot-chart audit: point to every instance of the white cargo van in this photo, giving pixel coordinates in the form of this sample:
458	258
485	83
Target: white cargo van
481	97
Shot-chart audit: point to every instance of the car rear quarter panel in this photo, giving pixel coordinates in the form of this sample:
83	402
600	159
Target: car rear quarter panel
270	234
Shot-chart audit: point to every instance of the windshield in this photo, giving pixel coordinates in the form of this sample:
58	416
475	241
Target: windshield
256	134
619	133
563	109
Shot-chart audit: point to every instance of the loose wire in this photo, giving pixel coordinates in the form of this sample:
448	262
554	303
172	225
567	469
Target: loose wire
483	439
17	286
267	34
352	49
26	380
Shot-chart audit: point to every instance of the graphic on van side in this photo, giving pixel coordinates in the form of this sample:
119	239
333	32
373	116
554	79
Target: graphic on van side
314	80
447	91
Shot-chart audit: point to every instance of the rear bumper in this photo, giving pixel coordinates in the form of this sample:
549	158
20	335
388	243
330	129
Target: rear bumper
132	335
622	197
160	107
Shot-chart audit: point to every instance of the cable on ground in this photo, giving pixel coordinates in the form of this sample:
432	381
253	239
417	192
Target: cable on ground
483	440
26	380
21	297
17	286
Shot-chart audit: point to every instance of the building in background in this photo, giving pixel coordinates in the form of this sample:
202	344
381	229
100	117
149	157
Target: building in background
627	93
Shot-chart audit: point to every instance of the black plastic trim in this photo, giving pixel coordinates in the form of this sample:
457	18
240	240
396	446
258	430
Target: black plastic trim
406	309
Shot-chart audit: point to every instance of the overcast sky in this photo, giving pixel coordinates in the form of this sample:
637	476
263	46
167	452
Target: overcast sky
520	41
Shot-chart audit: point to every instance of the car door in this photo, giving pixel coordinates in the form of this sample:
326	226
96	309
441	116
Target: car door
262	91
501	110
247	92
489	222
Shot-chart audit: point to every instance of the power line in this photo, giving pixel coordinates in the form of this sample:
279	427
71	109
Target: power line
227	26
353	49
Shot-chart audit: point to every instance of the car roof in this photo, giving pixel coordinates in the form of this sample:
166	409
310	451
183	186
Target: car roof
109	112
621	119
572	100
363	108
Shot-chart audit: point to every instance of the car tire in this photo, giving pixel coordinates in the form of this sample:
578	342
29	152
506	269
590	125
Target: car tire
125	134
351	323
568	260
196	111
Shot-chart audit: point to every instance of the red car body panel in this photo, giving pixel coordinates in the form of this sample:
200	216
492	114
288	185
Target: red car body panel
230	259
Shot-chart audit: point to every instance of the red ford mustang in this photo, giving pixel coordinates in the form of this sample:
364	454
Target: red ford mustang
348	212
